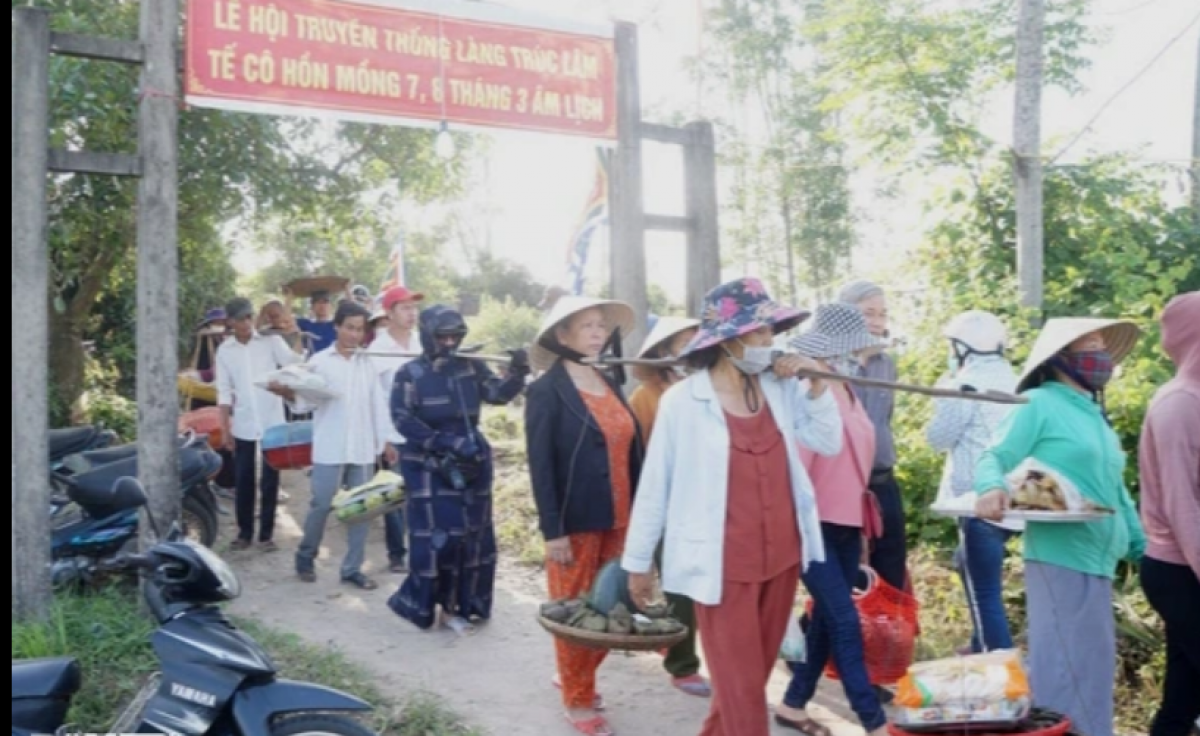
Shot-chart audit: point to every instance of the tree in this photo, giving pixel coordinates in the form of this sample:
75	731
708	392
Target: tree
230	165
792	214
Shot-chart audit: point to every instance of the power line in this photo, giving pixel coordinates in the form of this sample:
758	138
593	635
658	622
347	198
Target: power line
1103	108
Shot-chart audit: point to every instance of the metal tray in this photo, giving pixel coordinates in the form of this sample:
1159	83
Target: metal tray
1027	515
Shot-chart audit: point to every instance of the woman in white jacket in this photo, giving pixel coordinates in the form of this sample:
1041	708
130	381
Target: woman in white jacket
964	430
723	480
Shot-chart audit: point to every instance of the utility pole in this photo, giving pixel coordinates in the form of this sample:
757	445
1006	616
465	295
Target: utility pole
628	216
31	593
1196	144
158	263
1027	152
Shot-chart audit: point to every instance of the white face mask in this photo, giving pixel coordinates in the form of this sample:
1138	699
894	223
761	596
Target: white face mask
755	360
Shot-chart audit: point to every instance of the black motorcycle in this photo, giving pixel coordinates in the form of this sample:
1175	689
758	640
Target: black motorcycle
91	522
94	471
214	678
67	441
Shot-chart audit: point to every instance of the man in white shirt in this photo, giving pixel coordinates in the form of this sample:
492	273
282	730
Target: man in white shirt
401	308
350	432
247	412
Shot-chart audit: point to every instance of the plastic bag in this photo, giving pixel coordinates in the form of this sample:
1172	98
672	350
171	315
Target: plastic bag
1034	480
889	619
795	646
990	687
383	493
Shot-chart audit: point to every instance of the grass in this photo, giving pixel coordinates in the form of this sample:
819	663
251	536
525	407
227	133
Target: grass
110	637
945	622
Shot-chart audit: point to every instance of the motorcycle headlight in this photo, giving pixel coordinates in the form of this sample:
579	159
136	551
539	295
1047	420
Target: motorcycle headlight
231	587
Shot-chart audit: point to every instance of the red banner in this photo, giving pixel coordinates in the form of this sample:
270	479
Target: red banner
390	64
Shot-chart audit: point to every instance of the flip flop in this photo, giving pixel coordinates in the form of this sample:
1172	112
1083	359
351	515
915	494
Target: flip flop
694	685
803	725
592	726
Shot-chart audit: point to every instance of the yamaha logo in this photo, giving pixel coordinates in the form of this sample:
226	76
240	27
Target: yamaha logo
192	695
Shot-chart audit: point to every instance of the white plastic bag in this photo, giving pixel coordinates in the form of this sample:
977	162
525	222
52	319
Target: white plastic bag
794	648
1069	492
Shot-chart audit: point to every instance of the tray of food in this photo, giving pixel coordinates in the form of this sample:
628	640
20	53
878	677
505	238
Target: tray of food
579	622
1038	494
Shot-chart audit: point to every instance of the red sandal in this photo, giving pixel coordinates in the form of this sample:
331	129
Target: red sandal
596	726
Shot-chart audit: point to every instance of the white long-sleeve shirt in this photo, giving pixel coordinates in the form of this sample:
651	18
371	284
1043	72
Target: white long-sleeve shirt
388	366
684	486
239	366
352	429
965	429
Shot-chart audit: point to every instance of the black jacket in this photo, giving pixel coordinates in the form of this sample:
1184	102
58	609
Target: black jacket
568	458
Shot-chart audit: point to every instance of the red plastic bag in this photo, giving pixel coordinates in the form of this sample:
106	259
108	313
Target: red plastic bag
889	627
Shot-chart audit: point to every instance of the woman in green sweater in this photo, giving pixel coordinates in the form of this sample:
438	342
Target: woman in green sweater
1069	567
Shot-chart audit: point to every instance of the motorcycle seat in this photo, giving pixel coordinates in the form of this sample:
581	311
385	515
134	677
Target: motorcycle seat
70	440
98	492
53	677
96	458
196	464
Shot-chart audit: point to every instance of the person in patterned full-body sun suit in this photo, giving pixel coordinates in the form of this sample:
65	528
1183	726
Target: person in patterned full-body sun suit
447	467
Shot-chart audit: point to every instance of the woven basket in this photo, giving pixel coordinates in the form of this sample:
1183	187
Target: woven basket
612	642
193	388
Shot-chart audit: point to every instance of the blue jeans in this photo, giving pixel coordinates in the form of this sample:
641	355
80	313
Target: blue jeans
394	528
327	480
980	561
835	629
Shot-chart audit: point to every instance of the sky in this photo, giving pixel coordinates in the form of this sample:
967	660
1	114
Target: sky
539	184
534	221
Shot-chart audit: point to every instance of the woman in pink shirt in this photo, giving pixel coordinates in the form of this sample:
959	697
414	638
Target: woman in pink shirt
1170	468
839	332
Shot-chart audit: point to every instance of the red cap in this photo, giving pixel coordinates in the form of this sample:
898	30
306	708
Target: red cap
400	294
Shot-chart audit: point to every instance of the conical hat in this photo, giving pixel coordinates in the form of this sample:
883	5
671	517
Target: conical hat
664	330
619	315
1120	337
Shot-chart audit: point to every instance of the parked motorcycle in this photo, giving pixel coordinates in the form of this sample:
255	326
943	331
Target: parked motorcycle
95	521
199	464
214	678
67	441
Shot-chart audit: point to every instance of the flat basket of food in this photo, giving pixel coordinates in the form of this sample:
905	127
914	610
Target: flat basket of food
577	622
607	618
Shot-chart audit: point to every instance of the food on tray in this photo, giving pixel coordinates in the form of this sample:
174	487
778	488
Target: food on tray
1039	492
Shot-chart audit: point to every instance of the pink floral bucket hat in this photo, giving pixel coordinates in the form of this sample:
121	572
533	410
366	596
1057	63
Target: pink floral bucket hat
739	308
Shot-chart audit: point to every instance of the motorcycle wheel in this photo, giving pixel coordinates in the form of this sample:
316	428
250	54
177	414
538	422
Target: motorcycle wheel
319	725
199	522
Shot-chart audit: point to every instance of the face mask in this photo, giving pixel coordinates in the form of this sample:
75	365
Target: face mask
1091	368
952	363
754	360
